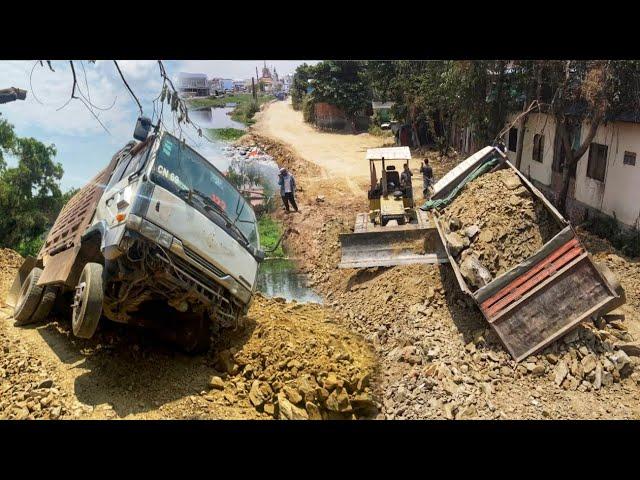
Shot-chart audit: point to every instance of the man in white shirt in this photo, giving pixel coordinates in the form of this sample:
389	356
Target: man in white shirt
287	189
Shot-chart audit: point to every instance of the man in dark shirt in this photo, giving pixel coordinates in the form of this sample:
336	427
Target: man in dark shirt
427	178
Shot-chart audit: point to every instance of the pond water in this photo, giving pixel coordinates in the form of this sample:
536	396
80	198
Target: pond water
279	278
215	118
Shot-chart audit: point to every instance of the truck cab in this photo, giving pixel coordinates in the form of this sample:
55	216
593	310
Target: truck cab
161	226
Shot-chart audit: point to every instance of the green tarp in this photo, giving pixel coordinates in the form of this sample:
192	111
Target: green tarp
443	202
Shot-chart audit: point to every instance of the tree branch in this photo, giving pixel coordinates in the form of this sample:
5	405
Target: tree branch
128	87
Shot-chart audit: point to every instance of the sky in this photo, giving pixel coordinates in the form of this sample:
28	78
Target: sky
83	145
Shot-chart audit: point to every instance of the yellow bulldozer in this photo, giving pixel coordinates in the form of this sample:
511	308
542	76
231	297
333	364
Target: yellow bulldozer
394	231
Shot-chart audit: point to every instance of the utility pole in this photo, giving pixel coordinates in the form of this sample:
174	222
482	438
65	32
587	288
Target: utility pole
253	90
12	94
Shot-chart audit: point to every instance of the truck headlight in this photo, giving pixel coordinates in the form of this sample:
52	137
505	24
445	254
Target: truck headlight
155	233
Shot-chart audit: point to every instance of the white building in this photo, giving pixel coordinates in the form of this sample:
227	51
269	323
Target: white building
607	178
192	84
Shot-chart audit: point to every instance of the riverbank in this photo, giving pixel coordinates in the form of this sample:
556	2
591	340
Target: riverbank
244	107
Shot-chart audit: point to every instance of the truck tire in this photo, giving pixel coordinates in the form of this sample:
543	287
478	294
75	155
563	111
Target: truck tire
46	304
29	298
87	305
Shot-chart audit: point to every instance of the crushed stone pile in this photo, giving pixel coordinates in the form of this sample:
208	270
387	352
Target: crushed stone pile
494	224
27	391
292	362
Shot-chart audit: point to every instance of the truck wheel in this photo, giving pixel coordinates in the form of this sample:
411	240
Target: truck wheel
87	304
46	304
29	298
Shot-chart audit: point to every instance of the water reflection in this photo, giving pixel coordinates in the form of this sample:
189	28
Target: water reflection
215	118
279	278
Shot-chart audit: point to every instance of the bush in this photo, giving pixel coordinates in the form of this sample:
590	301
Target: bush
308	110
30	247
270	232
379	132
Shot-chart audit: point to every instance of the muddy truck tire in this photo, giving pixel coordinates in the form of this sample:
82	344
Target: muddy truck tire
46	304
87	305
29	299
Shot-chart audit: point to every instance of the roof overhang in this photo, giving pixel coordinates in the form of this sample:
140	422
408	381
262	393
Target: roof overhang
389	153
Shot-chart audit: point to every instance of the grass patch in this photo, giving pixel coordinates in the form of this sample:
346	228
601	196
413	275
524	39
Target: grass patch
245	106
228	134
270	232
379	132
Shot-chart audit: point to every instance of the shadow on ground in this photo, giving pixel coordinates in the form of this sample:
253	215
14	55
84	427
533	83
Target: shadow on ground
133	369
465	314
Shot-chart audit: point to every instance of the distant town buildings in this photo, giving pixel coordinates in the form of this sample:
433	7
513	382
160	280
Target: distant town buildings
192	84
198	85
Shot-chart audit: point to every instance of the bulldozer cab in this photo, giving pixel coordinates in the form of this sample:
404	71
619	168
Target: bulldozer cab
389	198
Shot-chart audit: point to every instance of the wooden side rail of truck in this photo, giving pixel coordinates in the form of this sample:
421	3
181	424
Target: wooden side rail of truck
547	295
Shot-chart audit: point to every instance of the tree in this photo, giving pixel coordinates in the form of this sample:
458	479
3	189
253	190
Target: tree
299	85
30	196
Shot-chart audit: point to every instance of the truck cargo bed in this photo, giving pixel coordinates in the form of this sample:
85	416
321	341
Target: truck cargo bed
544	297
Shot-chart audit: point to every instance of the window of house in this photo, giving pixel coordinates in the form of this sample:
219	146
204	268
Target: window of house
597	165
538	147
513	139
629	158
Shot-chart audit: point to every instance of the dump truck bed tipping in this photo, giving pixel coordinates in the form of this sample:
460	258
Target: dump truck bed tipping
60	251
544	297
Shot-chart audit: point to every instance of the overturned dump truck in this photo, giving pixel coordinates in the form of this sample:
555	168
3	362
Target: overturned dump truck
157	238
543	297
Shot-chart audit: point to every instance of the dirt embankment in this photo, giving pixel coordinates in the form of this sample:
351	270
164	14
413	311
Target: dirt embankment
438	358
288	361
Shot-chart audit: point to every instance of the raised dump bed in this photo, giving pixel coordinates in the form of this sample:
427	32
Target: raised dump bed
543	297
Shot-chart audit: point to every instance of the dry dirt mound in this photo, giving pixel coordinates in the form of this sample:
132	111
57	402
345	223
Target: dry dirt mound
496	219
10	261
294	362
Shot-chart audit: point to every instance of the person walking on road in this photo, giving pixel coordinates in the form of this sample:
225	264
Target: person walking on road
427	178
287	189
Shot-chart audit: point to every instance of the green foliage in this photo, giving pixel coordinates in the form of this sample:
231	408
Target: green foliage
299	85
375	130
30	247
308	111
30	196
227	134
270	232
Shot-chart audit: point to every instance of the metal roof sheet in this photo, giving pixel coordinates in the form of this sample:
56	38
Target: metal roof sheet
389	153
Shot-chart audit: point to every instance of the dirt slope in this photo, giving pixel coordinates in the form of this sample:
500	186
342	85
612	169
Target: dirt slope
437	357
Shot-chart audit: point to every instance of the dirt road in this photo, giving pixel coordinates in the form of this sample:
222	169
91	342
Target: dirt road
438	358
338	155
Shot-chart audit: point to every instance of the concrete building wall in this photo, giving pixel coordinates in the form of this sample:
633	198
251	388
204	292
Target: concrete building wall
618	195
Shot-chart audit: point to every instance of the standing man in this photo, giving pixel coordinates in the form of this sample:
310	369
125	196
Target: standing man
405	181
287	189
427	178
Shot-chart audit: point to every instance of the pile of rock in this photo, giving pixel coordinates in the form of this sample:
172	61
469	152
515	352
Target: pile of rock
26	392
10	261
494	224
307	369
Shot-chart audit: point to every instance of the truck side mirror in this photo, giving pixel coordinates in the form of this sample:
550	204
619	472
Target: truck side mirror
143	127
260	255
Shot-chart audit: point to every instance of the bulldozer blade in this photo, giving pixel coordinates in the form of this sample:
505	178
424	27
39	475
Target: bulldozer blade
386	248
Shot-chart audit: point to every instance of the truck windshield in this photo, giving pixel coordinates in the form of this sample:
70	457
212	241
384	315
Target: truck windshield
181	170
